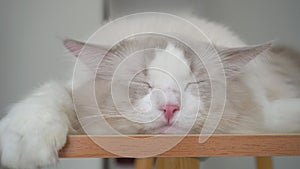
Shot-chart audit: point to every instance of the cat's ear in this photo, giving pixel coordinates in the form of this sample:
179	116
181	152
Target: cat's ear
234	59
89	54
104	62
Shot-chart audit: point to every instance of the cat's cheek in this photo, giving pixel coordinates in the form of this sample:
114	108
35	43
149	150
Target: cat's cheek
144	104
149	103
153	126
191	103
191	108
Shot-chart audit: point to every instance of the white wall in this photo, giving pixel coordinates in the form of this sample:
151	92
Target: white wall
258	21
120	7
31	51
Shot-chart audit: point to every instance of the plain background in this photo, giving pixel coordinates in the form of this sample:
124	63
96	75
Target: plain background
31	51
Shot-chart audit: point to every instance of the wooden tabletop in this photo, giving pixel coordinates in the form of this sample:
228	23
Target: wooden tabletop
181	146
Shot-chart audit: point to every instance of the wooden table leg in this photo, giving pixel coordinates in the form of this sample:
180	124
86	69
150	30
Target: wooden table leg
177	163
144	163
264	163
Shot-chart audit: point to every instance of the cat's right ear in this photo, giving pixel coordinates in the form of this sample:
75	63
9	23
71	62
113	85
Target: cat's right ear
234	59
90	55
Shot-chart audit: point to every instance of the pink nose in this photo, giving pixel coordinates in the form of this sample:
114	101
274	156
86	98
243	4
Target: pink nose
169	110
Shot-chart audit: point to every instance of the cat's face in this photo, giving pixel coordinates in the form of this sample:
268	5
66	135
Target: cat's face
171	101
159	85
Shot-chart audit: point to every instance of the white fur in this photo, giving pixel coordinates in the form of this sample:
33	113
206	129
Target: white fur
36	128
169	74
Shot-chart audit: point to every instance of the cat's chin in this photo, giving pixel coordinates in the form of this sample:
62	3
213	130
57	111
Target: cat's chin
168	129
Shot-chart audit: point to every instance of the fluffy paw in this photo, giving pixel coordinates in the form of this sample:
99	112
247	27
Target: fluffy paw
31	140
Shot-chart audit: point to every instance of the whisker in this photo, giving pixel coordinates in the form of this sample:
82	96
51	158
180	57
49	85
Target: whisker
93	116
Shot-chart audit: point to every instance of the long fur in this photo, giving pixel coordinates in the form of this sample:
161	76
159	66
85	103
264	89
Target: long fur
264	96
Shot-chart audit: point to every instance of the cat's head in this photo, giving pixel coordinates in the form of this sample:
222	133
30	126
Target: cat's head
160	85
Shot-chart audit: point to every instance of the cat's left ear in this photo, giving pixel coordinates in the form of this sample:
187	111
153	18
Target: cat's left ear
89	54
234	59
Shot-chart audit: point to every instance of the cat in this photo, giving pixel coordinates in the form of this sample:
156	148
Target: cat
155	84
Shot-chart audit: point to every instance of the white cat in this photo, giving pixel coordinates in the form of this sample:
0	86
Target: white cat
162	86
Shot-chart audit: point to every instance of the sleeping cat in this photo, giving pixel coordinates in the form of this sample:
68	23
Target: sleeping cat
154	83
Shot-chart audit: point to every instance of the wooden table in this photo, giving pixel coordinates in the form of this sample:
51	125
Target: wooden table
263	146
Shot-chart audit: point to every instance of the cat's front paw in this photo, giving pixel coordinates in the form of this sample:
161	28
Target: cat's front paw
31	142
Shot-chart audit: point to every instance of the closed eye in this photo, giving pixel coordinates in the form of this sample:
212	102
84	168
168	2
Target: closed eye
142	83
191	83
